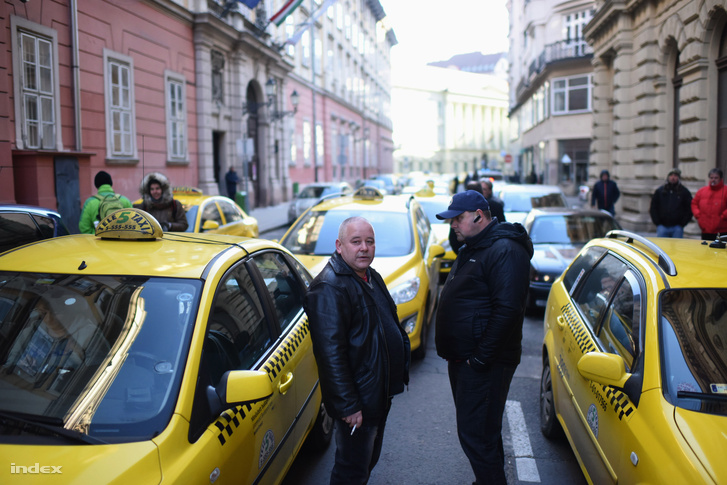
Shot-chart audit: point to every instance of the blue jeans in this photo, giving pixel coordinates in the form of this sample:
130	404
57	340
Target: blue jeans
479	399
669	231
357	454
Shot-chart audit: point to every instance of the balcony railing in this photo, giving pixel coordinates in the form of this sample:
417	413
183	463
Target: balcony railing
559	51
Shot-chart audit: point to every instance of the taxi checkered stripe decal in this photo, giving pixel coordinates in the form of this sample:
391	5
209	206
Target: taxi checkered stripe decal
229	421
230	418
621	405
286	350
619	401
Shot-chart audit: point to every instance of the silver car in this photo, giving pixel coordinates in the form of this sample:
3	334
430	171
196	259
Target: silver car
312	193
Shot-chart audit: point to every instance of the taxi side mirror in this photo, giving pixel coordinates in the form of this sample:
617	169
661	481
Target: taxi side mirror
604	368
435	251
244	386
210	225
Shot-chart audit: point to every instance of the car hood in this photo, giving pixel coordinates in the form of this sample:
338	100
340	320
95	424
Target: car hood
112	463
705	434
553	257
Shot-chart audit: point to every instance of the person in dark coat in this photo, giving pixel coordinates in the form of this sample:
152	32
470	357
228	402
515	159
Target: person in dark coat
231	181
362	352
158	201
479	325
455	243
671	206
497	206
605	193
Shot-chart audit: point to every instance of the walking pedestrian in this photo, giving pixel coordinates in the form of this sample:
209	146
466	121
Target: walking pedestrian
231	181
157	200
479	326
91	211
605	193
709	206
671	206
362	352
497	206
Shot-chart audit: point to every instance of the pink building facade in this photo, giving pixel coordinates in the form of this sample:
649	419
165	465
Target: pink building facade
89	86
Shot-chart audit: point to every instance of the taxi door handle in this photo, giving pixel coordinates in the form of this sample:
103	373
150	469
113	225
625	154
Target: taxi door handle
285	383
561	321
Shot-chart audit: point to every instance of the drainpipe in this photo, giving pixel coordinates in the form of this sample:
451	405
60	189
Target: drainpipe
76	75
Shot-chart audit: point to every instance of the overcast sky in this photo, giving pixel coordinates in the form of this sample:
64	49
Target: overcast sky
429	30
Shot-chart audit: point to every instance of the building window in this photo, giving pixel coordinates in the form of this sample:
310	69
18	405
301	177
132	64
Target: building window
571	95
319	145
176	117
293	145
318	58
573	25
120	124
305	45
289	31
307	143
35	57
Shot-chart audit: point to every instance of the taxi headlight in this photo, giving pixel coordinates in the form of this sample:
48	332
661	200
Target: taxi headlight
406	291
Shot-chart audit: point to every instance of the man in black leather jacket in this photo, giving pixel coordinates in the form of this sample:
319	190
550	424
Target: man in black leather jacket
479	326
361	350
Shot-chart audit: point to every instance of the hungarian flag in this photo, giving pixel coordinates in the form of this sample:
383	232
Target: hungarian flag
287	9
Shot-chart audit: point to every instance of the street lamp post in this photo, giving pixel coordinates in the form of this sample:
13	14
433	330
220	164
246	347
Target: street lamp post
270	92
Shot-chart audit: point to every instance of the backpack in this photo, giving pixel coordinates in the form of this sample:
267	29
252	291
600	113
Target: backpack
108	204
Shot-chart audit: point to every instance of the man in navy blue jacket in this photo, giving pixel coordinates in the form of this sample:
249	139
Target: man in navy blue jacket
479	326
605	193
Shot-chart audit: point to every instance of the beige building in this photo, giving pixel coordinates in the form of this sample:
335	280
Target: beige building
449	121
551	90
660	97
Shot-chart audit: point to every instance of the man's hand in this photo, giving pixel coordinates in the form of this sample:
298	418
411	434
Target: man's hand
355	419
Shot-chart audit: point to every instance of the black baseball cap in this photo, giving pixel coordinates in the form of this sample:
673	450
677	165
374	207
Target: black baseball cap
467	201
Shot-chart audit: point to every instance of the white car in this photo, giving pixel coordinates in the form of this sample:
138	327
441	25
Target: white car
519	199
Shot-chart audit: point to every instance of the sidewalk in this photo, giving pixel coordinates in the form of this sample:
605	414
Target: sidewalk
271	217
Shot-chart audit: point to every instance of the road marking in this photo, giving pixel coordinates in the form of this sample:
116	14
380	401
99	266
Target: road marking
527	468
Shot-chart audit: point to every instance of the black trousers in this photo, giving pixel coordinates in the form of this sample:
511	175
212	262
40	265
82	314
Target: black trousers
357	453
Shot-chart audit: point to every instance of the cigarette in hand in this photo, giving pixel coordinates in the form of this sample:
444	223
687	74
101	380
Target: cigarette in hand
353	429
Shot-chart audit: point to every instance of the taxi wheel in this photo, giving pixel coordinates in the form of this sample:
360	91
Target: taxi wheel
549	425
320	435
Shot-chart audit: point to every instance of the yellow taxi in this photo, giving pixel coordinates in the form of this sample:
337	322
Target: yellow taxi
134	356
214	213
405	250
635	360
434	203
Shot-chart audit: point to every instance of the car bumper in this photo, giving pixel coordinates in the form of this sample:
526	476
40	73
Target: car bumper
538	295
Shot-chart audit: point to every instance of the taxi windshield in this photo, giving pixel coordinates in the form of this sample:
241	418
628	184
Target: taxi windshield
316	233
101	355
694	355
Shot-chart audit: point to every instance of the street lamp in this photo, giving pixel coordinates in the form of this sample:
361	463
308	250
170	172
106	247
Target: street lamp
270	92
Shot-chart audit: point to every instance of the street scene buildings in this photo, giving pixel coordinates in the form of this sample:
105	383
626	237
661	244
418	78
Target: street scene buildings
297	91
452	116
189	88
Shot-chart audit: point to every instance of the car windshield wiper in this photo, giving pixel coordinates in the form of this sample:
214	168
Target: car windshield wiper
33	423
702	396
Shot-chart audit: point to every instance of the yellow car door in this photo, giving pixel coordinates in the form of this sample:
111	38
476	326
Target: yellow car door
248	443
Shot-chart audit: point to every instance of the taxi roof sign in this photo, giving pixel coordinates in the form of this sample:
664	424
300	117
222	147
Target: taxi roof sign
368	193
187	190
129	224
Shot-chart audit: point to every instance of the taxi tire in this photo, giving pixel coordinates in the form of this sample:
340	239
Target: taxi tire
320	435
549	424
